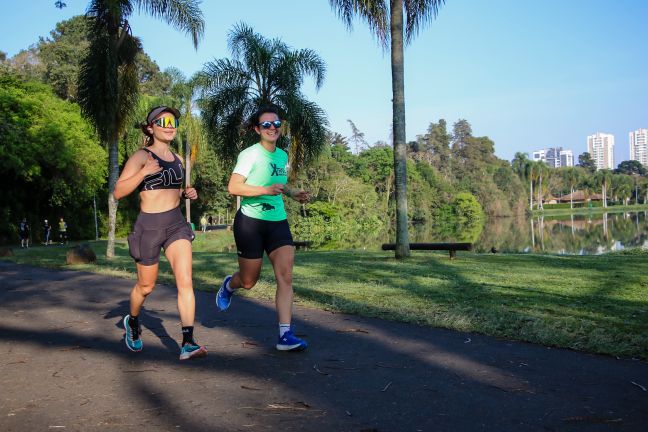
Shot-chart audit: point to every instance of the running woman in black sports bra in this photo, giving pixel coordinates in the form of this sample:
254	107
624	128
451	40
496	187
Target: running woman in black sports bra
158	174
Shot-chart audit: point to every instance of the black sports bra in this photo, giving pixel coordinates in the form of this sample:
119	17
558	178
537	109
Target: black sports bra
171	176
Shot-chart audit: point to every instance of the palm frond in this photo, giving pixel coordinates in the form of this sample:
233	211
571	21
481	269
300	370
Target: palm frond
418	13
374	12
184	15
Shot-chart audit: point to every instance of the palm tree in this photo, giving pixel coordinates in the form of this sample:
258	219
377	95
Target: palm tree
519	163
573	177
108	85
261	72
603	179
531	173
381	17
542	173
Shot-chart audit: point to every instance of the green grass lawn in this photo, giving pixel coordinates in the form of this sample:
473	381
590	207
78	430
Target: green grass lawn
590	303
593	210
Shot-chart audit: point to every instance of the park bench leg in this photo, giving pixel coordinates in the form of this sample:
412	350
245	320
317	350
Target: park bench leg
453	254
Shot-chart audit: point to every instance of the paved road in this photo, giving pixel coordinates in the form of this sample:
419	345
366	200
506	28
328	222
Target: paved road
64	367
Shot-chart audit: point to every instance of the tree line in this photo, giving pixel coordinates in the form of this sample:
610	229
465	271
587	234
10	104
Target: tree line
629	181
453	177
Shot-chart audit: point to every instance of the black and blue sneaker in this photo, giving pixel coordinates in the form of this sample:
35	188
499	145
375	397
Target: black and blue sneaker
132	336
192	351
224	296
290	342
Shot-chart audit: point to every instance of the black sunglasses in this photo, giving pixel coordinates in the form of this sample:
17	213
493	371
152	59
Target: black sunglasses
267	124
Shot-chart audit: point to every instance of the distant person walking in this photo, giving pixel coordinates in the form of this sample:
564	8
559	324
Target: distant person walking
260	225
23	231
210	220
203	223
62	229
158	173
47	230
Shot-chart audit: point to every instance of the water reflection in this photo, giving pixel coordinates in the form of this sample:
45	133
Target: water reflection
574	234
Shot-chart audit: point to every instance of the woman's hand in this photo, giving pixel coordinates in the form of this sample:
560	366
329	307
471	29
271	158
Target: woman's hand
275	189
190	193
300	195
151	166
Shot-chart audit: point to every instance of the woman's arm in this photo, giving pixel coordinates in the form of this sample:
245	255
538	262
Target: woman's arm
237	186
139	165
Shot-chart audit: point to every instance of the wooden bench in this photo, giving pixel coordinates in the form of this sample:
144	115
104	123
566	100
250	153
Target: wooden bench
302	244
451	247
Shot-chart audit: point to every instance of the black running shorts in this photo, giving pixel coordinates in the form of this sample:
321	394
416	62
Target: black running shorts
253	236
154	231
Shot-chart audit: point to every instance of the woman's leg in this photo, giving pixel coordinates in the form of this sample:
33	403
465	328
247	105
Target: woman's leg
282	260
146	277
179	255
248	274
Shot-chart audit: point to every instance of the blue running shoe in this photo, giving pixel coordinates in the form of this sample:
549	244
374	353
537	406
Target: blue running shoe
192	351
132	338
290	342
224	296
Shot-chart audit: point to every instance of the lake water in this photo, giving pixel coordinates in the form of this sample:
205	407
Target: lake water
576	234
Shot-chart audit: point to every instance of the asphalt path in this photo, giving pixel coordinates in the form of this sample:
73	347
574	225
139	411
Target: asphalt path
64	367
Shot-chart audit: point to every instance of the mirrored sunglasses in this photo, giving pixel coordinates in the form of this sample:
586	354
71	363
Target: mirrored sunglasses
167	122
268	124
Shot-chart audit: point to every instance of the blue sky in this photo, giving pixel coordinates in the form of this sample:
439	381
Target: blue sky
527	74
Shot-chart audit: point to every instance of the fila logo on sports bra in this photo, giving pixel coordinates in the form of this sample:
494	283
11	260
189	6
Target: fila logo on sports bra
166	177
277	170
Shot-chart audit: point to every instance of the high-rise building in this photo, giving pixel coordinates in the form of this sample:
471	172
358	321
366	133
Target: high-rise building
601	147
639	146
555	157
566	158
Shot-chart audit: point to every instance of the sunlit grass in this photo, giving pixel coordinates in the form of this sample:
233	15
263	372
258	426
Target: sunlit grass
592	303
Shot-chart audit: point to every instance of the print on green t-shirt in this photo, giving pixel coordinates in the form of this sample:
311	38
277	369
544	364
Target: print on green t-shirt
263	168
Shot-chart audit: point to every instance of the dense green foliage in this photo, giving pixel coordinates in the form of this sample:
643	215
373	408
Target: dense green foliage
51	157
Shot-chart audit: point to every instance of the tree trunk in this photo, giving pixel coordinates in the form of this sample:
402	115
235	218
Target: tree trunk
113	175
531	195
539	199
571	198
398	107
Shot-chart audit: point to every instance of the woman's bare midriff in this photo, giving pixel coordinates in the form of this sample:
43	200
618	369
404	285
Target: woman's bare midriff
158	201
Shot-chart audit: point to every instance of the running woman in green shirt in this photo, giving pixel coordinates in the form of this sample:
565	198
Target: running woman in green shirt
259	178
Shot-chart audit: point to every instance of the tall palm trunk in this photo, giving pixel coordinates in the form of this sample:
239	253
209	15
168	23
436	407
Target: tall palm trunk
571	197
531	194
113	175
400	151
539	199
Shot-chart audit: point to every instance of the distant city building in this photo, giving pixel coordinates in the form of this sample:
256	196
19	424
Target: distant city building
566	158
639	146
555	157
601	147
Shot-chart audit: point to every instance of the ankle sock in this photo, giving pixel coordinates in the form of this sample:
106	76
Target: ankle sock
187	335
133	322
283	328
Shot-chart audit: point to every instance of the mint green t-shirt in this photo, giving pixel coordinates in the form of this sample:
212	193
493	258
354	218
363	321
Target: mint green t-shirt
263	168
